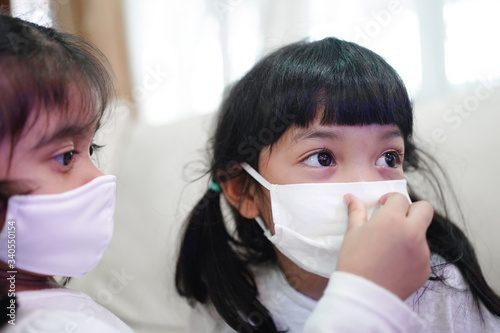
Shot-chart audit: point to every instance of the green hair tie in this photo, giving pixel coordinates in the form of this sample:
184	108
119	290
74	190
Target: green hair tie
214	187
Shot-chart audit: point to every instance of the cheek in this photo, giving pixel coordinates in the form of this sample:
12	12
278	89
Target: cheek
3	212
39	178
22	166
5	158
392	174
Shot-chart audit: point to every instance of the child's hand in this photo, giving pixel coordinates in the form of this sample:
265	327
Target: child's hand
391	248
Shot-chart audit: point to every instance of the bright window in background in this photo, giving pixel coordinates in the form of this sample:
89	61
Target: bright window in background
472	45
389	28
36	11
184	53
175	58
243	39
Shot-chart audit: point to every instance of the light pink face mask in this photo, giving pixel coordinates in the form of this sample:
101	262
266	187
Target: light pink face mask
62	234
310	220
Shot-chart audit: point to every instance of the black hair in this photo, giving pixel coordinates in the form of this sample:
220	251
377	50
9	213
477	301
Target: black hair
45	71
338	82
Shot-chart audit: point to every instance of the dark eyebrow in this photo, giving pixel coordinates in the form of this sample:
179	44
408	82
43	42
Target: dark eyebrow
392	133
61	133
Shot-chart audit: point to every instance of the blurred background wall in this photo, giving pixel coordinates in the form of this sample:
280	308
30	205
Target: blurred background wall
172	60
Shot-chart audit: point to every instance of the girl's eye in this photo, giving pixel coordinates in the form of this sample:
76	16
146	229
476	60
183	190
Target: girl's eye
66	158
390	160
321	159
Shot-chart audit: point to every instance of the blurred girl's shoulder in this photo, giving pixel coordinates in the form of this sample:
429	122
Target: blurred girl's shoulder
62	310
446	303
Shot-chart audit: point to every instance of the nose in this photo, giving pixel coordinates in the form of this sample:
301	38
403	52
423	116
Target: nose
358	173
90	172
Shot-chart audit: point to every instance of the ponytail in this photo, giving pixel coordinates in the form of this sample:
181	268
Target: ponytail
210	270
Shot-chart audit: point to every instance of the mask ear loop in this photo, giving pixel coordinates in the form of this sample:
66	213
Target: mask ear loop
255	175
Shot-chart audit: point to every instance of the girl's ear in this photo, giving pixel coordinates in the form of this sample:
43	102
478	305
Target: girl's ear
245	204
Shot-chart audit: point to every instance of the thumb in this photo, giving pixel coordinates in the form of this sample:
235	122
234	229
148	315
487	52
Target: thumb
356	211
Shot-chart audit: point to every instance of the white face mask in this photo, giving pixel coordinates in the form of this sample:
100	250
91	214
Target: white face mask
62	234
310	220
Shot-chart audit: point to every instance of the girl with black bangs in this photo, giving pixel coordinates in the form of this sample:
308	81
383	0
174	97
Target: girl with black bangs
56	206
309	152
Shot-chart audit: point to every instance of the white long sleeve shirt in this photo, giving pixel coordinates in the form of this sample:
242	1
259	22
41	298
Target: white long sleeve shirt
353	304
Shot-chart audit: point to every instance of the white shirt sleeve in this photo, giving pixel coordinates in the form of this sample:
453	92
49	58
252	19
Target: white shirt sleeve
354	304
60	321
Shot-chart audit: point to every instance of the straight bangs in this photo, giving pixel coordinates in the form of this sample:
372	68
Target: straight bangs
52	74
337	82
